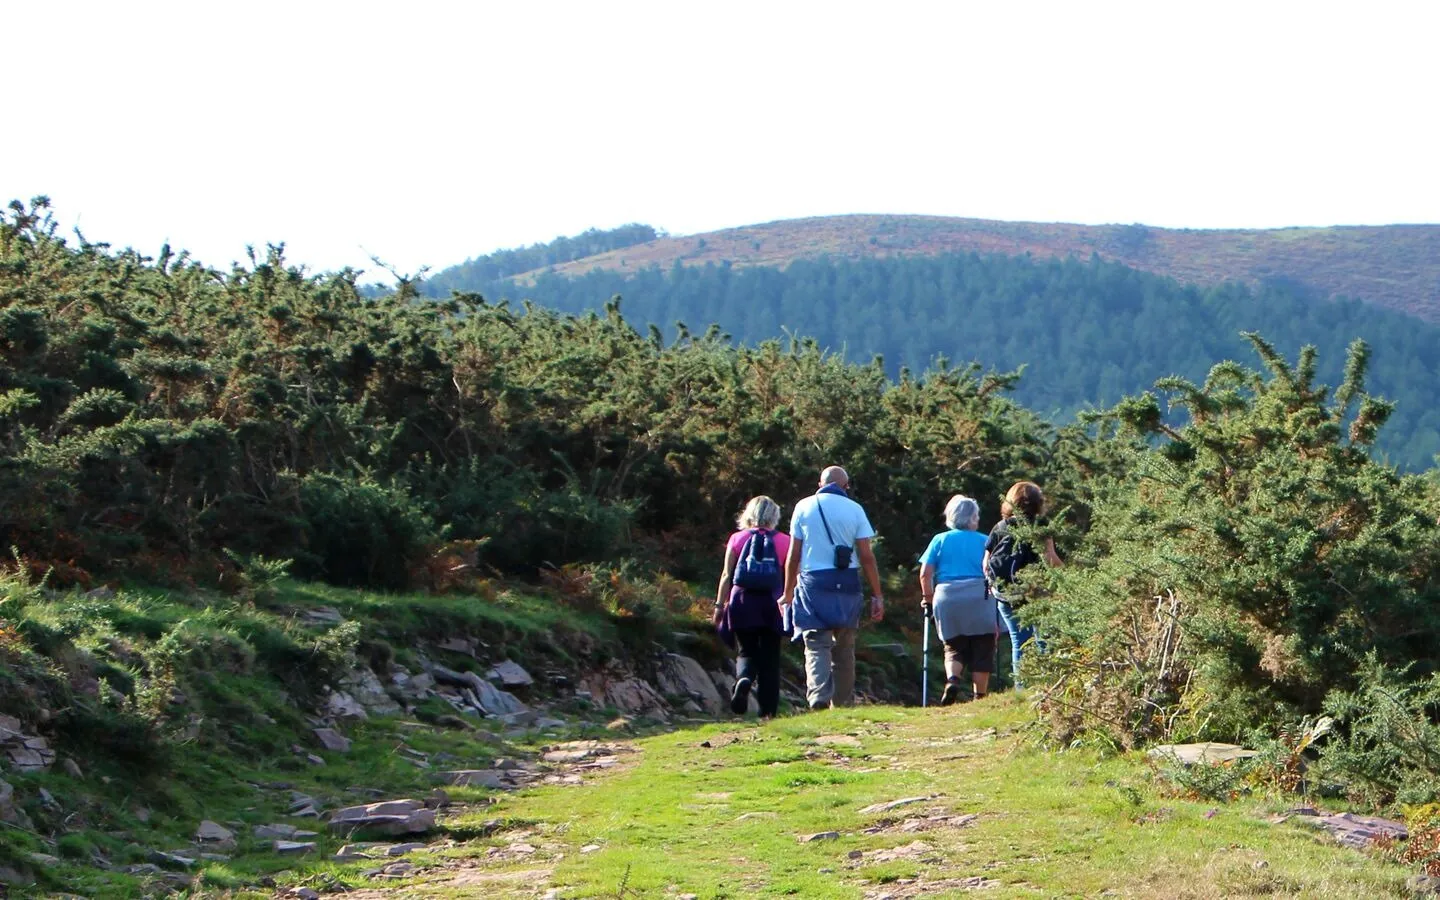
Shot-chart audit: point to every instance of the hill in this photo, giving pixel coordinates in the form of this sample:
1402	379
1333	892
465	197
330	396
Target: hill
1087	332
1393	266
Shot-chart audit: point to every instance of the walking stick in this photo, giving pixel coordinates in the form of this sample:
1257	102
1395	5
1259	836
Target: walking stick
925	662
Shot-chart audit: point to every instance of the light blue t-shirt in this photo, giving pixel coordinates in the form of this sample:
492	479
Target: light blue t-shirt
959	553
848	524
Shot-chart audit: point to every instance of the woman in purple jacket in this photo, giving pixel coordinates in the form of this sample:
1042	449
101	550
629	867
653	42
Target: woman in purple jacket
745	603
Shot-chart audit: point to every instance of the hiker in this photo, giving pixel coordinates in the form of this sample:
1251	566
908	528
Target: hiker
953	589
829	532
745	603
1004	558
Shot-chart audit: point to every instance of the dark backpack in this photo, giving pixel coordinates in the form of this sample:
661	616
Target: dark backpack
758	568
1008	557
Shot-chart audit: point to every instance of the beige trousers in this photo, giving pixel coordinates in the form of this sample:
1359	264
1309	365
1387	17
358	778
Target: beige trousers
830	667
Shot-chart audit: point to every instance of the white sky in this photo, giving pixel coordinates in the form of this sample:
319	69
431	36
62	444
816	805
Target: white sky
426	133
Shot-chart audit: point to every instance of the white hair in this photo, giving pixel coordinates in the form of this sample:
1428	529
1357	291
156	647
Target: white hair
962	513
760	512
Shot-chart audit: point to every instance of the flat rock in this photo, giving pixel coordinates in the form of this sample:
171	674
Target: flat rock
837	740
331	739
1358	831
511	675
322	615
26	759
213	833
293	848
819	836
484	778
171	860
458	645
1208	752
402	849
366	850
894	804
274	832
388	817
1423	884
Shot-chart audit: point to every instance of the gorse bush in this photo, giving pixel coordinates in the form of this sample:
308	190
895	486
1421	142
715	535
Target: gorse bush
361	533
154	412
1389	747
1238	569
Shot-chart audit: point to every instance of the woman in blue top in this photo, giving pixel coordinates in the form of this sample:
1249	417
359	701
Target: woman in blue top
952	587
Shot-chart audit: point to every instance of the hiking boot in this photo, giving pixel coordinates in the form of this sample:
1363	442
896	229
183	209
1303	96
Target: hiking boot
952	692
740	697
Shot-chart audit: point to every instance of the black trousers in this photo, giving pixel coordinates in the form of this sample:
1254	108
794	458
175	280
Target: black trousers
760	662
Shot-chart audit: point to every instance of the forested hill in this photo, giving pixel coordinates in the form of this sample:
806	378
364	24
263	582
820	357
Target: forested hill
504	263
1393	266
1087	332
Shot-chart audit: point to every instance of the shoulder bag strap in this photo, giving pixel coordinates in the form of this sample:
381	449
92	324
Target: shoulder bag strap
821	507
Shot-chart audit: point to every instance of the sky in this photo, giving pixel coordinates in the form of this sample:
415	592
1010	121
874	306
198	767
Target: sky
427	133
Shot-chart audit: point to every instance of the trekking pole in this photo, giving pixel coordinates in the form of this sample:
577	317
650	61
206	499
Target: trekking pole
925	662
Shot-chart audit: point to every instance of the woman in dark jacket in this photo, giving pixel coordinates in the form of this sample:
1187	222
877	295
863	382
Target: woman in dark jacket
1024	504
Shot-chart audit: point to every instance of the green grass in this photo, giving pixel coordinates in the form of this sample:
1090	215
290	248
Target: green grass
716	810
724	821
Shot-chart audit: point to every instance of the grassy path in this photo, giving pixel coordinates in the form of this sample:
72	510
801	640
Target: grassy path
723	811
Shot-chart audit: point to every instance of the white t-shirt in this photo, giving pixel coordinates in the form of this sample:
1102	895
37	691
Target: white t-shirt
848	524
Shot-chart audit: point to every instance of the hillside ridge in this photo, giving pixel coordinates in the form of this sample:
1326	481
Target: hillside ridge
1392	266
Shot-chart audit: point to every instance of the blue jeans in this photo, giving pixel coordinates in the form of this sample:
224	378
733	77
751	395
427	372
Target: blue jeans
1019	634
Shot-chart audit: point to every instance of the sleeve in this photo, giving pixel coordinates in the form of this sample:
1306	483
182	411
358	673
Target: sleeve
863	529
993	540
782	546
932	552
736	541
797	522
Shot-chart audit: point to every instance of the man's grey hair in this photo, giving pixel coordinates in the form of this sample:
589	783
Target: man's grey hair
962	513
834	475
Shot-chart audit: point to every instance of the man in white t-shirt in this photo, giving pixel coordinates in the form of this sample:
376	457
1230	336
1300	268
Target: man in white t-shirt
829	534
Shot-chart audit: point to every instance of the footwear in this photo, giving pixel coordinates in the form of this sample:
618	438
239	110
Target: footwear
952	692
740	697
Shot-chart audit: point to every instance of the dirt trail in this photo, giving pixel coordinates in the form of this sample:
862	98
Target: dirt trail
483	865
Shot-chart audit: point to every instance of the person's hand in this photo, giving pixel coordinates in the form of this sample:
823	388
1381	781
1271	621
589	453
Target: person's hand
926	609
877	608
786	599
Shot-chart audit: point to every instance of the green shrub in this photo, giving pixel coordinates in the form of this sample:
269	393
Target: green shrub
1387	748
361	533
1233	573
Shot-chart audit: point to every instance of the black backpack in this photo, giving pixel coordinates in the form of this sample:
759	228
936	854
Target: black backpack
758	568
1009	556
